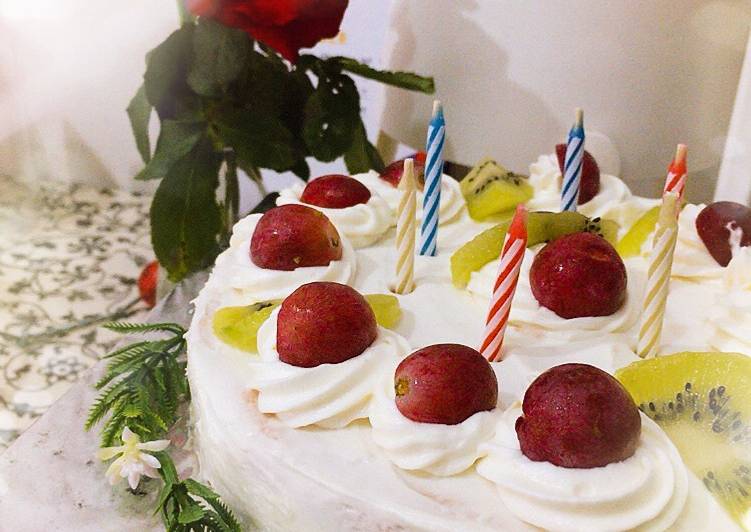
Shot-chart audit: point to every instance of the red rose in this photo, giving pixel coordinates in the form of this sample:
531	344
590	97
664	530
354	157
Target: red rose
285	25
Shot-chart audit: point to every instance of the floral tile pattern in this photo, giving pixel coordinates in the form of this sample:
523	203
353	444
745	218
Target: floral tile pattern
69	260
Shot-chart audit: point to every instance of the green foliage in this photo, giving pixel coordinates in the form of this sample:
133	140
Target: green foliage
218	57
332	114
259	139
189	505
361	156
139	113
167	66
267	203
220	96
176	139
143	385
405	80
185	216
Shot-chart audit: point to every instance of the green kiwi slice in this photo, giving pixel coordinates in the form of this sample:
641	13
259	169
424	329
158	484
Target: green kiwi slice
541	227
703	403
238	326
490	189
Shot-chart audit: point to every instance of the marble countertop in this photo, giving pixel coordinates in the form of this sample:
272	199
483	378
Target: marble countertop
50	478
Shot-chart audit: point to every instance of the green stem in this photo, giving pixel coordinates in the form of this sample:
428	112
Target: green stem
186	17
231	194
255	175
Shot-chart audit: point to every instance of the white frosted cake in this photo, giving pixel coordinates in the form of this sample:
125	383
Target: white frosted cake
326	448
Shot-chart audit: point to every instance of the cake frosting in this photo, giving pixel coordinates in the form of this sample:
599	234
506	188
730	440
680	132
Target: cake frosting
452	201
614	200
647	491
336	454
362	224
436	449
329	395
527	311
259	284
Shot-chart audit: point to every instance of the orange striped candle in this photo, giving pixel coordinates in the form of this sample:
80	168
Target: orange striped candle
505	285
676	180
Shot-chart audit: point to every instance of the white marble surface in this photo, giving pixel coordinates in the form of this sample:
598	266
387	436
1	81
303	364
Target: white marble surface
50	478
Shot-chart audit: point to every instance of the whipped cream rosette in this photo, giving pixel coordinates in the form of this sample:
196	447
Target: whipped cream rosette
647	491
452	201
328	395
526	311
235	269
614	201
433	448
362	224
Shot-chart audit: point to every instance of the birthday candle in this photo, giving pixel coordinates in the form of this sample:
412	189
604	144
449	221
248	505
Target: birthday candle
405	231
572	166
676	180
433	172
658	276
505	285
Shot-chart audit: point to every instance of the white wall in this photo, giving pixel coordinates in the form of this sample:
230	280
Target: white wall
69	67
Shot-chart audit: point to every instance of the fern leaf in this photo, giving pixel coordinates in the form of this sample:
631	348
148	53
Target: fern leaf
126	349
104	402
197	489
133	328
123	364
133	410
112	430
168	471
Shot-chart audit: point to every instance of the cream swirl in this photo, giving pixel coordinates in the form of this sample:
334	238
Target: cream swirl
452	200
258	284
691	260
329	395
614	201
363	224
525	309
731	321
647	491
441	450
730	316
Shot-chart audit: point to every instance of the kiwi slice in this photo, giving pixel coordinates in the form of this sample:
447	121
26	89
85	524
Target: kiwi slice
703	403
631	243
491	189
386	309
541	227
238	326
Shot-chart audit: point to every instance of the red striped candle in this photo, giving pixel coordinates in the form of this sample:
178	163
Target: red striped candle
676	180
505	285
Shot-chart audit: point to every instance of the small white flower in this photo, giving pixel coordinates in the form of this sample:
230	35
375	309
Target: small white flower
133	462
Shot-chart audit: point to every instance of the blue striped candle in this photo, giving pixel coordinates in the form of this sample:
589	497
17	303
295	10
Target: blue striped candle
433	171
572	166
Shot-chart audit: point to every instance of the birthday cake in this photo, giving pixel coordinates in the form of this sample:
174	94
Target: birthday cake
316	408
